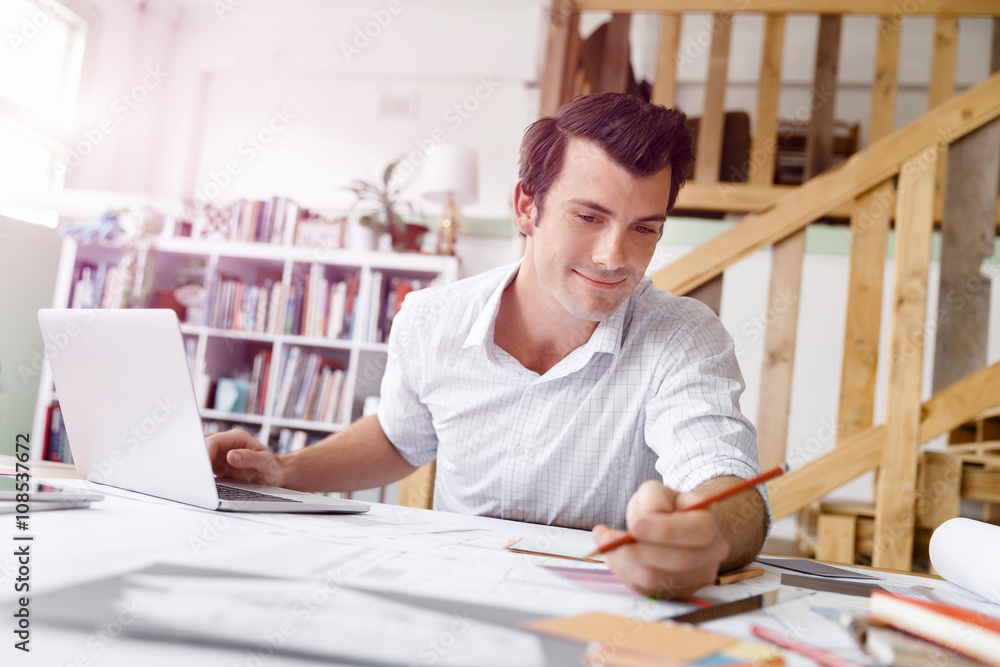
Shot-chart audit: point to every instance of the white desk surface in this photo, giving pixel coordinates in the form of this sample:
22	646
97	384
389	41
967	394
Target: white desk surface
457	559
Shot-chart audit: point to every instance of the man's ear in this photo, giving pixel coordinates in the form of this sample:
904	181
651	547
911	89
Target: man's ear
525	212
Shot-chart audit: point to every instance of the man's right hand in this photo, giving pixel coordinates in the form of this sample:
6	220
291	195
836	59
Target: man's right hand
237	455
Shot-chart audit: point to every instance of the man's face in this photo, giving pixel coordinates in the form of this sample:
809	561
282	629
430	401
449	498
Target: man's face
596	234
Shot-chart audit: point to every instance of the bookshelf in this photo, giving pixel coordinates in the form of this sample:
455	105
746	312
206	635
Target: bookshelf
267	305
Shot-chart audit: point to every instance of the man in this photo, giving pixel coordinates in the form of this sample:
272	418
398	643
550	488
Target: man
566	389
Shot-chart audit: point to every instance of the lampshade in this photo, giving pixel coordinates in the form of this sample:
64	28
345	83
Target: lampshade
450	174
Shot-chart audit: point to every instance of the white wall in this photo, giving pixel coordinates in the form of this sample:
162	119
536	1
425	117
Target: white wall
121	111
230	74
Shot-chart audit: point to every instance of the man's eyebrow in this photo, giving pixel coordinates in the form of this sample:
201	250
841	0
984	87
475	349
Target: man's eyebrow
602	209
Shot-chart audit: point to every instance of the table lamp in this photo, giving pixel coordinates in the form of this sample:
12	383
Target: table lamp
450	176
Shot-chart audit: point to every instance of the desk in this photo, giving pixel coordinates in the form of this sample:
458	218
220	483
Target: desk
451	566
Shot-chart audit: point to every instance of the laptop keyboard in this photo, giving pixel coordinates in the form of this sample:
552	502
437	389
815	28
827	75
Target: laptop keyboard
232	493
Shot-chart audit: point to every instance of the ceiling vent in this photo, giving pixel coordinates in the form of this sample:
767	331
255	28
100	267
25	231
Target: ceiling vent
399	106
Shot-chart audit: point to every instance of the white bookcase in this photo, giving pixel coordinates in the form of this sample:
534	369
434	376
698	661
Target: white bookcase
221	352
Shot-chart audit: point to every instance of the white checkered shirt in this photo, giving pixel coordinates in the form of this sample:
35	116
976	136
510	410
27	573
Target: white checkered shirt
654	392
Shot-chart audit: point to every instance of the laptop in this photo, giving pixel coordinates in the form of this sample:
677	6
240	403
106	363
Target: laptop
131	415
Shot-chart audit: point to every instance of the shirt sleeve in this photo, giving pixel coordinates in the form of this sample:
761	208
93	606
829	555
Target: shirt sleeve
404	418
693	420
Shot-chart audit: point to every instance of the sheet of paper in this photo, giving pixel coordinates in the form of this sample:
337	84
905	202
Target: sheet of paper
281	555
964	552
517	584
320	619
569	545
598	580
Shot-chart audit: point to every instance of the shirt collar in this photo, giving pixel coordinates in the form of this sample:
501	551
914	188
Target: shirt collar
607	337
481	331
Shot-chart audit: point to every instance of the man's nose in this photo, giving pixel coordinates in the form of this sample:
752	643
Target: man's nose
610	250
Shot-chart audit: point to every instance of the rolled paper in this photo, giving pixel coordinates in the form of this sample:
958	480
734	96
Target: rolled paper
967	553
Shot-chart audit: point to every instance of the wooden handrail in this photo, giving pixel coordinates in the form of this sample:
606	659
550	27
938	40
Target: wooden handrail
889	7
860	453
817	197
725	197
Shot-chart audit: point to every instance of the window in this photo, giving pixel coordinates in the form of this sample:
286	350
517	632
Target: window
40	61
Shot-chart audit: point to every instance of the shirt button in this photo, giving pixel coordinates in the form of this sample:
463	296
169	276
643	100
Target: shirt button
519	450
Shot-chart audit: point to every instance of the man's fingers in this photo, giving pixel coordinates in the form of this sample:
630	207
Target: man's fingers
249	458
651	497
234	439
673	558
665	584
602	534
237	454
698	528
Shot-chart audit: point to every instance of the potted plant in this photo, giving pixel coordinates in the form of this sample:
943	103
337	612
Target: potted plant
385	211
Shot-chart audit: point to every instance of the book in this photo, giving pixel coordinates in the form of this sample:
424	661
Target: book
970	633
332	405
338	301
289	365
375	308
350	307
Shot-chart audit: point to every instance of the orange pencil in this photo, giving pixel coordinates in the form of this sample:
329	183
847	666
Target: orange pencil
727	492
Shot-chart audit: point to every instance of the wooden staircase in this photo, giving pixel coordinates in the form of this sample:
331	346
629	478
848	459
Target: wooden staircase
940	169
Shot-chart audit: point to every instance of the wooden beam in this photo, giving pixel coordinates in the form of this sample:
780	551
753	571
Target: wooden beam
819	143
779	348
572	58
745	198
889	7
860	173
811	480
939	489
835	536
870	218
665	86
944	60
981	484
886	83
896	491
764	144
417	488
556	69
967	238
869	234
708	152
787	258
614	70
942	83
709	294
995	48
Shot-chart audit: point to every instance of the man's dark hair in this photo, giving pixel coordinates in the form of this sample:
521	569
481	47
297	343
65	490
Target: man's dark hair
643	138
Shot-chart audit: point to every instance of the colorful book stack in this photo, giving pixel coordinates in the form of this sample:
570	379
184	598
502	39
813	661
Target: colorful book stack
320	307
100	285
257	221
970	633
310	387
252	308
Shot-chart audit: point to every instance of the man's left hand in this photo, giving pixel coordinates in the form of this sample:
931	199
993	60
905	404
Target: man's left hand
674	553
